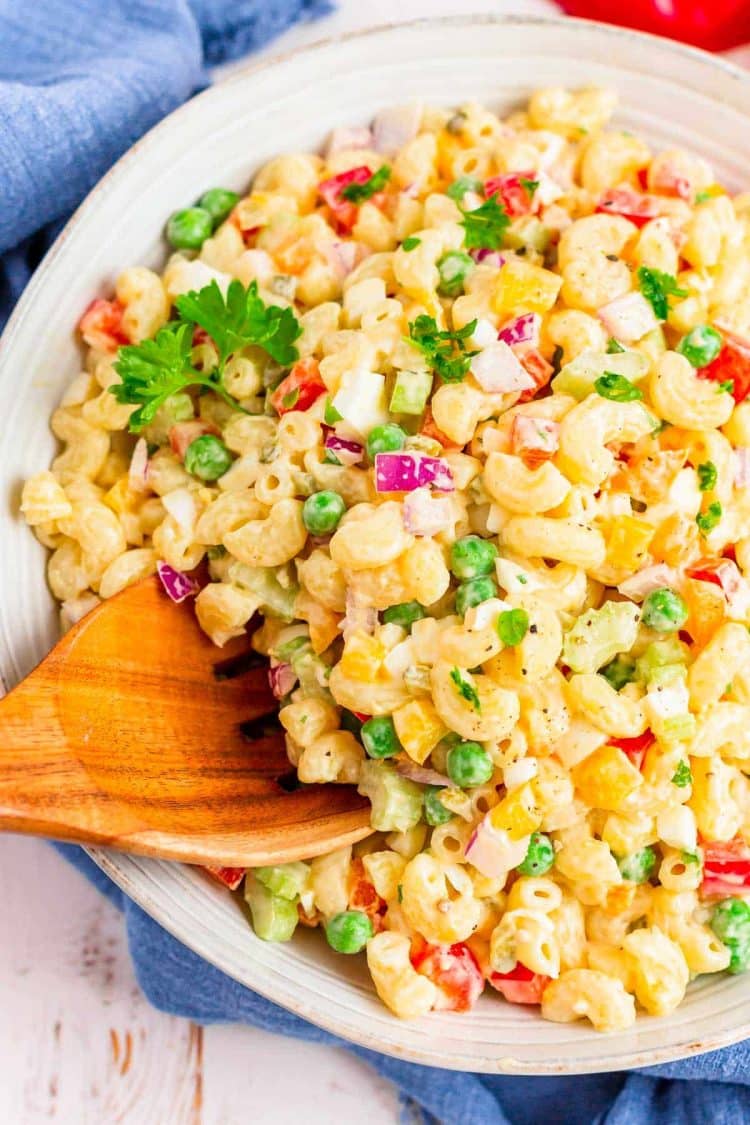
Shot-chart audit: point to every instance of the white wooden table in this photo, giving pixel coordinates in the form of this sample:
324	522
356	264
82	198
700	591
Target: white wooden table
79	1045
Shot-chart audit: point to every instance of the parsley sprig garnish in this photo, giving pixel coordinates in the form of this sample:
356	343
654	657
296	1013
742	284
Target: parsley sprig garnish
657	287
707	476
465	689
485	226
154	370
616	388
444	351
358	193
682	775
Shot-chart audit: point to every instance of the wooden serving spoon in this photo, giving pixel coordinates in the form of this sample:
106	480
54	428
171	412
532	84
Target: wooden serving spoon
137	733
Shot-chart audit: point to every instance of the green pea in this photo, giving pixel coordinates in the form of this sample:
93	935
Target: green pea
731	919
379	737
540	855
207	457
619	671
189	229
453	268
701	345
218	202
664	610
403	614
468	764
739	961
471	557
512	626
388	438
322	511
349	931
474	592
637	867
435	812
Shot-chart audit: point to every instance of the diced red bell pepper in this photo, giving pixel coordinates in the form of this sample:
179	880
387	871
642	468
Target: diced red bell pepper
538	368
182	434
732	363
515	198
101	325
299	390
455	971
520	985
230	876
430	429
635	748
726	868
722	572
638	208
361	716
344	211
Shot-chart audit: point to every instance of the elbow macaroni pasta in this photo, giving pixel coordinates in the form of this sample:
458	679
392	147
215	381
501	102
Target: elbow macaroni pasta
557	790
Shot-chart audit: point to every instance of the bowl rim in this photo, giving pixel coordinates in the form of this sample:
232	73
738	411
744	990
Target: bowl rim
110	862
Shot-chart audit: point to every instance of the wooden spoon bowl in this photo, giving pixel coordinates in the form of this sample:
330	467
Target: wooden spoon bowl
137	733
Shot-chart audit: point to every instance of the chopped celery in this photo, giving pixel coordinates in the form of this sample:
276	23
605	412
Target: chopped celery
275	599
577	378
599	635
620	671
678	728
660	654
285	650
528	232
287	880
274	918
396	801
176	408
311	671
666	674
410	392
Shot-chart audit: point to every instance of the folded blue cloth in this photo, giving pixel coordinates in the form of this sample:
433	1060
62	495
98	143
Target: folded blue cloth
80	80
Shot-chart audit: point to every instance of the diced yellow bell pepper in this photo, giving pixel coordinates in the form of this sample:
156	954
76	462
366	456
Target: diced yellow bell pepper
362	657
521	287
120	499
419	728
628	541
518	813
605	778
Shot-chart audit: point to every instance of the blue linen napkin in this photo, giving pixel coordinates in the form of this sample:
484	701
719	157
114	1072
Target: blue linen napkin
80	80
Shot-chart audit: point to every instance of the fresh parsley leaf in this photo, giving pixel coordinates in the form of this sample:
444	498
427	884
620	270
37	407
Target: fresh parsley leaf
512	626
331	415
682	775
290	400
411	243
465	689
485	226
242	318
708	520
727	387
444	351
657	286
690	859
155	369
458	189
614	346
702	196
358	193
707	476
529	186
616	387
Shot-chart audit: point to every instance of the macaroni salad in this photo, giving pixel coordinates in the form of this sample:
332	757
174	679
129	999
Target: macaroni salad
460	408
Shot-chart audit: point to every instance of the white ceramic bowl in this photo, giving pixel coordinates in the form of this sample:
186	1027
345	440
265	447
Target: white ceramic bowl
670	94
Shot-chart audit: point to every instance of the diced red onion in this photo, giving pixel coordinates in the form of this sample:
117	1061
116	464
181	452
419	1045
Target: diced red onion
281	679
488	257
645	581
344	256
358	618
498	370
138	471
404	472
492	851
395	127
346	451
421	774
524	329
424	514
742	467
349	137
628	318
181	506
177	584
